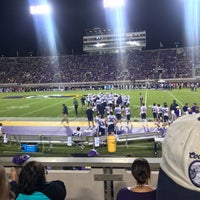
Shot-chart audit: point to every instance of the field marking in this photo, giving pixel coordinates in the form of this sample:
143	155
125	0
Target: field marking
41	109
196	93
176	99
24	123
20	107
146	96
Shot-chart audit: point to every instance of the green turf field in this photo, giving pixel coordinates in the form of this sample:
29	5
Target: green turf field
48	105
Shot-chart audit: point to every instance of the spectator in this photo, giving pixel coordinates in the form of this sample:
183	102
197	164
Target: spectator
142	191
32	184
179	173
13	180
5	192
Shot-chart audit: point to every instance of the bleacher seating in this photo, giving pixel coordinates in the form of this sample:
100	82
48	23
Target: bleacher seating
106	176
138	65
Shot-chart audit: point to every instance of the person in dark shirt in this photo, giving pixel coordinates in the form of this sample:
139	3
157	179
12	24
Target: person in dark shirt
173	108
90	116
195	108
33	185
83	99
141	191
65	114
76	106
185	109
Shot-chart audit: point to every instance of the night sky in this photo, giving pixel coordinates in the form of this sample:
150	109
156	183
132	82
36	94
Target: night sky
162	20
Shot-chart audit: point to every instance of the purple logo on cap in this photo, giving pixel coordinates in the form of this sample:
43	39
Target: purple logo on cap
194	173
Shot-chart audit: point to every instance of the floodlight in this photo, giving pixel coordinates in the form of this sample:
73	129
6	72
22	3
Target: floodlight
113	3
40	9
100	45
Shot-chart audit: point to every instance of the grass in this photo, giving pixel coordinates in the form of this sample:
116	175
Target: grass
135	148
40	106
19	106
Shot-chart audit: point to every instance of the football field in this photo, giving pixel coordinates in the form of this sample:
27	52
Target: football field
36	108
48	105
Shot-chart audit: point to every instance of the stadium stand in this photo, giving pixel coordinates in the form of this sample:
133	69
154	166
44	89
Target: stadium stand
104	179
136	65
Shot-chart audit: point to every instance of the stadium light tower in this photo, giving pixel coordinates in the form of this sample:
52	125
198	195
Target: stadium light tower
115	15
113	3
192	22
41	11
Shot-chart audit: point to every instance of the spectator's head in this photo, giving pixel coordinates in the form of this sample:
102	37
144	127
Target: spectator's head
179	176
32	177
4	188
141	171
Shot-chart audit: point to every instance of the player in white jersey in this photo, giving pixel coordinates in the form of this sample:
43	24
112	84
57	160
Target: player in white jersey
128	114
102	126
111	122
118	113
77	132
165	115
2	132
108	109
97	121
98	104
143	114
160	114
110	100
89	99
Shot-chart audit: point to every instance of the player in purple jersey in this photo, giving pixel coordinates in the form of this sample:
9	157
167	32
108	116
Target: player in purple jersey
185	108
195	108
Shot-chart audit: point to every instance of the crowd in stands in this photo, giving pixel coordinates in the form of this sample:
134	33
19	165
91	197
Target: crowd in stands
136	65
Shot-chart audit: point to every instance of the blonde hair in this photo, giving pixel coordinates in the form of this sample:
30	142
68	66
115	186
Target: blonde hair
4	185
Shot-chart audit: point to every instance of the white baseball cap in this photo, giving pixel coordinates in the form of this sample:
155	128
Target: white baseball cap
179	176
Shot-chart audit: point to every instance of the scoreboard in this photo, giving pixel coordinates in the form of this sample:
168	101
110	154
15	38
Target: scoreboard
102	40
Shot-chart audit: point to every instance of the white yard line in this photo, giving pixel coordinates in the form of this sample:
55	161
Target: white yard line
177	100
146	95
42	109
7	107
